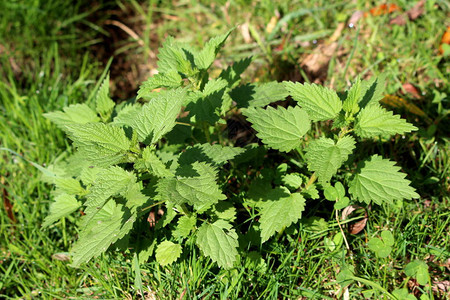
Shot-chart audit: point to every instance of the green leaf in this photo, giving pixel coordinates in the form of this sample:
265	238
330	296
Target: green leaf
109	182
388	238
419	270
63	206
170	79
151	162
199	190
279	128
102	228
89	174
103	104
218	241
403	294
379	247
185	225
375	121
324	156
73	114
372	91
99	143
350	104
69	186
206	56
319	102
216	154
293	180
167	253
233	73
207	108
381	182
172	57
158	116
280	210
258	94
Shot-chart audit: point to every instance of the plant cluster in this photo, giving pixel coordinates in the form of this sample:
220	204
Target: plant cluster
166	171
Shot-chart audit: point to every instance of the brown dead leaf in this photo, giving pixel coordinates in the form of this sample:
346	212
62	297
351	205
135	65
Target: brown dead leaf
316	63
411	89
399	20
356	16
7	202
357	227
416	11
245	33
398	102
441	286
445	40
61	256
271	25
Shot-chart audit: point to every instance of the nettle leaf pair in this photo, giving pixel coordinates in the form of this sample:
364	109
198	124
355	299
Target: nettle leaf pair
159	159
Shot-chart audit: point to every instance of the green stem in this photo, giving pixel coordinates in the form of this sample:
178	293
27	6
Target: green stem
374	285
311	180
206	130
185	209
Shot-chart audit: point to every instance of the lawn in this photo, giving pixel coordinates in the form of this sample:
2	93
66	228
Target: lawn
54	54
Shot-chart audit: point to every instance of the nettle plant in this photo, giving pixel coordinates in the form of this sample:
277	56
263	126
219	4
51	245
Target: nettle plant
154	175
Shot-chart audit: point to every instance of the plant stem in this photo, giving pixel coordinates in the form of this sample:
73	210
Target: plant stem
311	180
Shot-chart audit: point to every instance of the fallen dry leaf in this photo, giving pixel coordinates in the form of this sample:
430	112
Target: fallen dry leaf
399	20
383	9
7	202
398	102
61	256
357	227
411	89
316	63
416	11
356	16
445	40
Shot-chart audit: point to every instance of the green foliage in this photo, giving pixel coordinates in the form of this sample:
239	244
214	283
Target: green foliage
419	270
378	180
166	154
279	128
382	247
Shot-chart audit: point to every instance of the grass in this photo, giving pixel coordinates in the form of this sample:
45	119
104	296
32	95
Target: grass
47	62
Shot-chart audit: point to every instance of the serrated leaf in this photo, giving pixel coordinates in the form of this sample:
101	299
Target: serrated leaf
167	252
350	104
170	79
102	228
224	210
215	154
279	128
293	180
99	143
73	114
109	182
207	108
199	190
372	91
103	104
63	206
151	162
319	102
158	116
280	210
324	156
89	174
218	241
258	94
185	225
172	57
380	181
206	56
69	186
375	121
233	73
